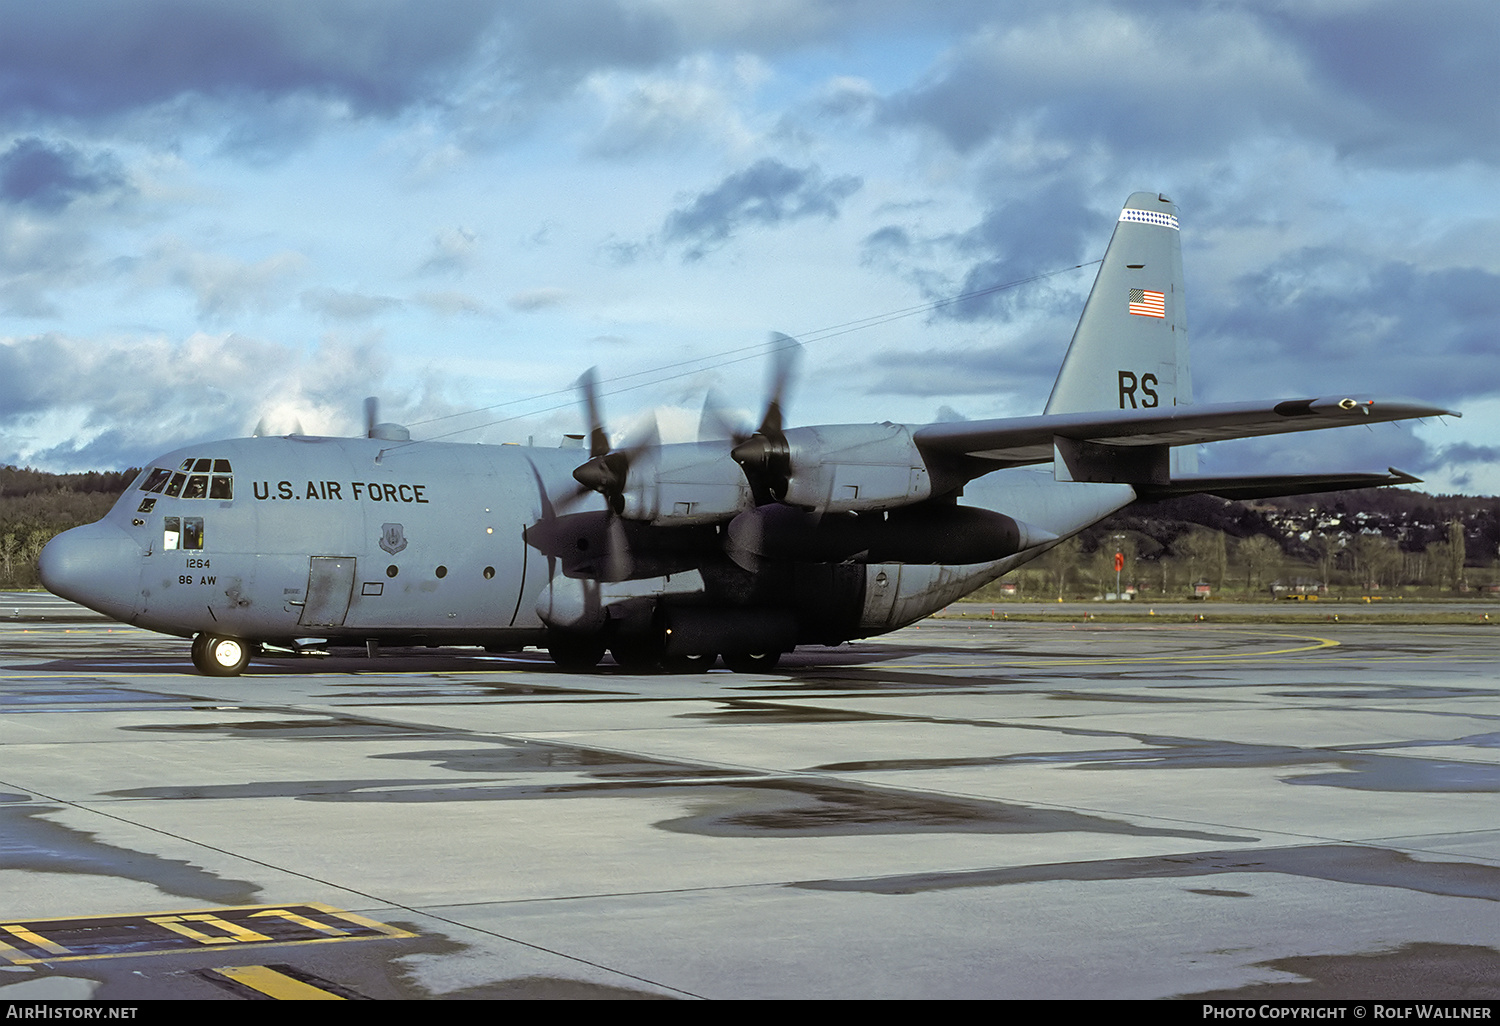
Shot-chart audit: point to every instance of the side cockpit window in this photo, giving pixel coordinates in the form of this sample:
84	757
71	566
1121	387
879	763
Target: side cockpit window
200	478
156	480
181	533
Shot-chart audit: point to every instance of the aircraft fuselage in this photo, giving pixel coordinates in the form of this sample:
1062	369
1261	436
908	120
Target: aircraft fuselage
353	540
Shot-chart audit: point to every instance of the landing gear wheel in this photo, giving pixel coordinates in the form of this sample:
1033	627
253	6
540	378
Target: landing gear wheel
574	653
694	662
218	656
751	662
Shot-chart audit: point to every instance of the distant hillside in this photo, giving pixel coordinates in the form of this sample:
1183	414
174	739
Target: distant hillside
35	505
1413	520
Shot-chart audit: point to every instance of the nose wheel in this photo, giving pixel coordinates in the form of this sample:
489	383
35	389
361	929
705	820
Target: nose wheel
218	656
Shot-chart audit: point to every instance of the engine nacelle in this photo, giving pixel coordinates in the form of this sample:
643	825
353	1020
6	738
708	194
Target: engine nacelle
936	534
854	468
685	484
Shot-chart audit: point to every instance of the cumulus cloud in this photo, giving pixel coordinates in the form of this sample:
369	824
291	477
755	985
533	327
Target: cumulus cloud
347	306
768	192
223	286
532	300
48	176
95	59
692	105
1321	319
1377	79
132	397
453	252
448	303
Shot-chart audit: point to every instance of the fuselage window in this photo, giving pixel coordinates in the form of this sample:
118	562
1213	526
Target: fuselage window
197	486
192	532
221	486
171	533
156	480
175	488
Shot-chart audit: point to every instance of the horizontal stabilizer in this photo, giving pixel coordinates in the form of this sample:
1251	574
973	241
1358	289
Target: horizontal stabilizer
1267	486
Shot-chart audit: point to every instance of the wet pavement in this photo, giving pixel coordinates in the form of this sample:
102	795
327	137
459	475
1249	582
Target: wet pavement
961	809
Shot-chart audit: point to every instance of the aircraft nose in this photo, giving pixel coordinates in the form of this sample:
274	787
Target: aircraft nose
97	565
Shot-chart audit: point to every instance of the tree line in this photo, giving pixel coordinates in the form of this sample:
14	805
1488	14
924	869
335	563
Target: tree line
35	505
1349	544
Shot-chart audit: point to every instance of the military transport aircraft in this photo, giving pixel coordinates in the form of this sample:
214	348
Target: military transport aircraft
743	545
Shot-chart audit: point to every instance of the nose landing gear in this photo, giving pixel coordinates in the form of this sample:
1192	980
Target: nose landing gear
218	656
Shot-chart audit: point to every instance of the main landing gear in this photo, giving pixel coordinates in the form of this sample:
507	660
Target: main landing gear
580	653
218	656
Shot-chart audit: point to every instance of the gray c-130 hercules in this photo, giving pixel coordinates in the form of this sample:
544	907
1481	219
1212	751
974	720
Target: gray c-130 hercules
670	556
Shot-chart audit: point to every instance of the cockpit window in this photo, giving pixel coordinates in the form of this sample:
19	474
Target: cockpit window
193	480
156	480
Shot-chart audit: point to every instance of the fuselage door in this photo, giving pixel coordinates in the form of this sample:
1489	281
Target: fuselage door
330	582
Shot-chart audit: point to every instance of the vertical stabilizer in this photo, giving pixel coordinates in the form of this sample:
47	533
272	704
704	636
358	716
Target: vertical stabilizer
1130	350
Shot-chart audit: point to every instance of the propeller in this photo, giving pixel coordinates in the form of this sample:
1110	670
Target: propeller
607	471
263	430
374	428
765	456
717	424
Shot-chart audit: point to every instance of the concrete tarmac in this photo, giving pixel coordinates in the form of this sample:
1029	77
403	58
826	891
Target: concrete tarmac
960	809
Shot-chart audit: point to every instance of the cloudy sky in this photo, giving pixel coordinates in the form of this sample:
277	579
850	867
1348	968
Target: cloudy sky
218	213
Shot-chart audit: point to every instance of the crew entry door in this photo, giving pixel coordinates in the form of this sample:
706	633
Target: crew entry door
330	582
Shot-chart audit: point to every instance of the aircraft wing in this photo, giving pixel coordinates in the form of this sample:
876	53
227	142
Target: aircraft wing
1022	440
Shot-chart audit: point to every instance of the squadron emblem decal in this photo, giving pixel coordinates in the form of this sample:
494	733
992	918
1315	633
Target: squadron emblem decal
392	538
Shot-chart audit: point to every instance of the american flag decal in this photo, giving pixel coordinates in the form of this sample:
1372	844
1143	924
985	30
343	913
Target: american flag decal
1145	303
